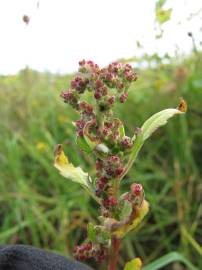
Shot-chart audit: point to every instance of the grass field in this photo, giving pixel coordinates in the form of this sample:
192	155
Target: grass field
41	208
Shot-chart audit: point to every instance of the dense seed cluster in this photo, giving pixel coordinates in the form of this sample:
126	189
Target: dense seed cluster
89	250
107	85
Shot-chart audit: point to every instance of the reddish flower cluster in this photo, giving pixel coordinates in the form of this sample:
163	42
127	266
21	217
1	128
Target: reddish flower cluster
104	134
126	143
89	250
135	195
109	169
99	81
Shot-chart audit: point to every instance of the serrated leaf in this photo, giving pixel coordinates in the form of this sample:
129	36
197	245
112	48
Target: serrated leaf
83	145
66	169
160	119
126	210
135	264
91	232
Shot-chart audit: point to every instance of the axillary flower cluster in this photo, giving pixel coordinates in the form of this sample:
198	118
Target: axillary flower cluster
93	93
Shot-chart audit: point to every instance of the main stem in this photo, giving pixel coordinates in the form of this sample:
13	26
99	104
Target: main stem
113	259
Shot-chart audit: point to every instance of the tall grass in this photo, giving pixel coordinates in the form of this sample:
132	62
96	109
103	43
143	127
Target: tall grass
40	208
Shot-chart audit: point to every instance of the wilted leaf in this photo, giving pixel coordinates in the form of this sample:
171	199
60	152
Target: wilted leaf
67	170
160	119
135	264
120	229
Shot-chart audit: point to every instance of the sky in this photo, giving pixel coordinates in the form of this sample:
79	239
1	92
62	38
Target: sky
62	32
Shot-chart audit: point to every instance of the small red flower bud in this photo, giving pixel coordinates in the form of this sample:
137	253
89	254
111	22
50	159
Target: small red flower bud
136	189
81	249
99	83
98	192
90	63
82	257
112	201
82	105
103	179
123	97
75	250
89	246
98	165
114	159
109	171
111	100
97	95
105	131
80	133
119	171
80	124
89	109
101	185
82	62
109	124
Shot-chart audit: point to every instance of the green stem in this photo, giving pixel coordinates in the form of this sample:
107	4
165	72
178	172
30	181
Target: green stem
136	148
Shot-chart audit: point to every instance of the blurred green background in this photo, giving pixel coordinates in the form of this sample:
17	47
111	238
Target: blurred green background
41	208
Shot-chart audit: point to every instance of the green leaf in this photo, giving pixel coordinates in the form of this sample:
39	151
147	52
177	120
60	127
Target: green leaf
163	15
83	145
126	210
91	232
160	119
167	259
122	131
103	236
135	264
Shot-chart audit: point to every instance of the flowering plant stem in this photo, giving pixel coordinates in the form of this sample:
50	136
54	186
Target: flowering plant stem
102	135
113	258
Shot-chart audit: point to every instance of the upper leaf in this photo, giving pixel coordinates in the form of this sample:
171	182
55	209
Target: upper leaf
160	119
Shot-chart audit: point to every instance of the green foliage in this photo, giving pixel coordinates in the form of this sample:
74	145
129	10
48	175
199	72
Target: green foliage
40	208
167	259
83	145
91	232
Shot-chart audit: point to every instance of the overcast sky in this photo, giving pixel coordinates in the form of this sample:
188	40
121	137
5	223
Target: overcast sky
61	32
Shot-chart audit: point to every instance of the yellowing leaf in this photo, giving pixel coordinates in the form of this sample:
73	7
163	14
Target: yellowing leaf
120	228
160	119
135	264
67	169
